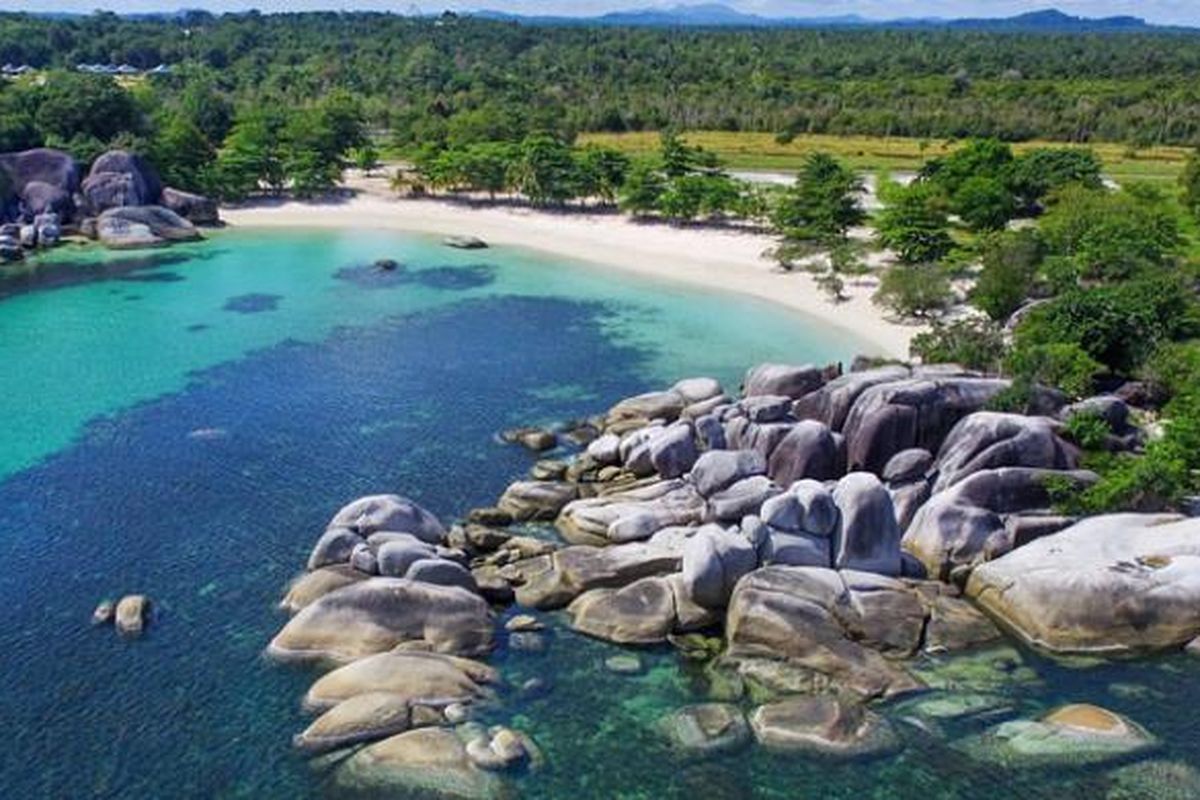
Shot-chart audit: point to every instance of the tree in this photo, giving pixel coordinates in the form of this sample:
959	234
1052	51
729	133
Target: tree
1010	265
250	157
1036	174
979	158
74	107
1108	236
914	290
1060	365
984	204
309	147
601	172
915	225
366	158
183	155
822	205
643	189
544	170
1189	182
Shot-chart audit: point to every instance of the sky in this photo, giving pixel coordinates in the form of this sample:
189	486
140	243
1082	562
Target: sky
1162	11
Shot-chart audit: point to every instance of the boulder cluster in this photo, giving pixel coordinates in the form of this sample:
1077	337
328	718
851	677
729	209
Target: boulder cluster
816	535
121	201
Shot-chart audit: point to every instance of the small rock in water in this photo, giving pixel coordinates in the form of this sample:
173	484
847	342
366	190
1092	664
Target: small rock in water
549	470
387	264
465	242
495	517
534	687
457	713
524	622
625	664
527	642
104	613
131	613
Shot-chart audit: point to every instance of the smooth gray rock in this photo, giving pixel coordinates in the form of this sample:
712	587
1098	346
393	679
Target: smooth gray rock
395	557
710	432
741	499
146	185
606	450
142	226
821	514
714	560
571	571
907	466
43	165
441	572
698	390
389	512
707	729
673	452
39	198
988	440
1111	585
537	500
1110	408
376	615
968	524
195	208
362	558
808	450
334	547
824	726
889	418
651	405
797	550
767	408
783	379
719	469
869	539
831	403
641	613
783	512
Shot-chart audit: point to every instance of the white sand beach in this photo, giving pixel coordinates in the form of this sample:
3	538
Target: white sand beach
716	259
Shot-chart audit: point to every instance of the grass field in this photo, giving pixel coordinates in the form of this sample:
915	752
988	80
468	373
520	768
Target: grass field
760	151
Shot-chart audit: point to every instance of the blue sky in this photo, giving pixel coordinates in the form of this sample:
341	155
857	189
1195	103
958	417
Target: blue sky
1167	11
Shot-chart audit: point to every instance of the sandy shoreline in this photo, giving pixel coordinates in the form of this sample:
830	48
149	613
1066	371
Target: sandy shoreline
714	259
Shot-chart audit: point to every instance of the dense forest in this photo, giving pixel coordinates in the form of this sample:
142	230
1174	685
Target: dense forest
430	79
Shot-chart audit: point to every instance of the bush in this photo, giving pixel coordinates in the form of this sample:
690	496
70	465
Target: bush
1118	326
1089	430
1010	266
1062	365
915	225
1039	172
973	343
914	289
984	204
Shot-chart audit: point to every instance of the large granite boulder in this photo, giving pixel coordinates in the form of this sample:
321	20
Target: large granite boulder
311	586
631	515
43	165
673	452
869	537
537	500
988	440
389	512
719	469
38	198
714	560
120	178
888	418
361	718
641	613
1116	584
823	726
830	628
428	762
132	227
985	516
568	573
831	403
195	208
420	678
808	450
378	614
787	380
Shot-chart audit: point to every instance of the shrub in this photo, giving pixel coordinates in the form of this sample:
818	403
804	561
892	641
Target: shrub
914	289
915	225
973	343
1062	365
1010	266
984	204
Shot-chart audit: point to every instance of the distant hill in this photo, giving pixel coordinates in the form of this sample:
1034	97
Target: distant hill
715	15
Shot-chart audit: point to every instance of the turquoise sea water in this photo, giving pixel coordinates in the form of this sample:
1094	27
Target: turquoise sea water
184	422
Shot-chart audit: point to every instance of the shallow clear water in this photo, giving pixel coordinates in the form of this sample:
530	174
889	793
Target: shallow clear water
183	423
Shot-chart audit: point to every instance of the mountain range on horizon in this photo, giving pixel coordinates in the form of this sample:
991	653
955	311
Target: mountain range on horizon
715	15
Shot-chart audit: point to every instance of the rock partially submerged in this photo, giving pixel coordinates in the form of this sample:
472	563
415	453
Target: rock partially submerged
823	726
131	614
1071	735
131	227
429	761
465	242
377	614
1116	584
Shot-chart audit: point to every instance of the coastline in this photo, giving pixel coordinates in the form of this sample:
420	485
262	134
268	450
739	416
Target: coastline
715	259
